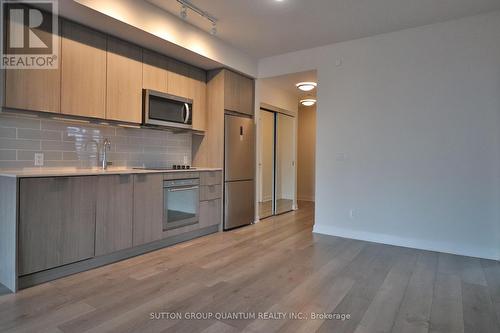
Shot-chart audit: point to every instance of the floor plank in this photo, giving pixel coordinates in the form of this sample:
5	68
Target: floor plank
275	266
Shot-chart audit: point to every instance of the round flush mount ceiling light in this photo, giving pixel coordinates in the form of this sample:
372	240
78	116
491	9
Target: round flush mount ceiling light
306	86
308	101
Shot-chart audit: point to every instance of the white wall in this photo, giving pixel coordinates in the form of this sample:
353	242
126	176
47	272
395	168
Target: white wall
408	135
306	153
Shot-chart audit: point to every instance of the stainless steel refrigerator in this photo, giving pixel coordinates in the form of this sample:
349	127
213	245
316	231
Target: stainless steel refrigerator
239	171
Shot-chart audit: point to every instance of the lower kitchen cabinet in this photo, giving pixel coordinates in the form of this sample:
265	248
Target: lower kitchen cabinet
114	212
210	213
81	219
148	208
210	198
56	222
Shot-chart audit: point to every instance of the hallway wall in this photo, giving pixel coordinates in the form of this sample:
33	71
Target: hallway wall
306	157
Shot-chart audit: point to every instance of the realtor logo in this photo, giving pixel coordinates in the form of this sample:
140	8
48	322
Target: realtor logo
29	34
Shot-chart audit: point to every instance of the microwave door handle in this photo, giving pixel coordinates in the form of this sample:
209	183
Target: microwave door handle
188	113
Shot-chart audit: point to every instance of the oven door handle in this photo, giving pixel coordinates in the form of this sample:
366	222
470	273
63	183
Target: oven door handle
183	189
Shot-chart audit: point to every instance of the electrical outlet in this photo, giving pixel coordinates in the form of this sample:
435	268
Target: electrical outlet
351	214
38	159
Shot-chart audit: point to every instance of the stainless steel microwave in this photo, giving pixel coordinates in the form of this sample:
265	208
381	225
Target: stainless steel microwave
161	109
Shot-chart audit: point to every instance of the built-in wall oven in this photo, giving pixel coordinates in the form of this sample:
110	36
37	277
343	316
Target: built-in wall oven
161	109
180	203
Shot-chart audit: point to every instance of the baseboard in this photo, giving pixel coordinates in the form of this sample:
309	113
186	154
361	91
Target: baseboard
306	198
407	242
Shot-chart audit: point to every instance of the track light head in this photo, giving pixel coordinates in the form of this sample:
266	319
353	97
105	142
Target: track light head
183	12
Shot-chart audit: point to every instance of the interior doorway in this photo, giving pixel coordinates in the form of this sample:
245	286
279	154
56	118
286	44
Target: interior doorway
277	164
286	133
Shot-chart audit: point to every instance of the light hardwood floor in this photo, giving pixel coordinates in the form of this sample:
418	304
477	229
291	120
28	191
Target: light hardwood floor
277	265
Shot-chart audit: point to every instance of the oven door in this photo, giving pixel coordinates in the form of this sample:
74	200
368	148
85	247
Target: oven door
181	206
162	109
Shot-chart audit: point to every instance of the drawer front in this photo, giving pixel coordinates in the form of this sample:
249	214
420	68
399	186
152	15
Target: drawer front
210	192
211	178
210	213
181	175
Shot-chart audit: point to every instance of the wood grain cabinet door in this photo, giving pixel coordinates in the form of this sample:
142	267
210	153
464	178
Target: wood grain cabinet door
34	89
238	93
124	81
210	213
231	91
246	95
83	71
148	208
180	79
154	71
56	222
199	78
114	210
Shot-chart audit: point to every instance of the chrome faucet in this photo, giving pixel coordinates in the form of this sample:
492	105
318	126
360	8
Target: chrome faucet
106	144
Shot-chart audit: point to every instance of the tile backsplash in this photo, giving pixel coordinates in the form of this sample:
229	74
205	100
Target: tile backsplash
67	143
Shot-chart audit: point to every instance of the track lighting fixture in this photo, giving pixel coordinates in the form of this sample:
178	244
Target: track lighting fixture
183	12
185	5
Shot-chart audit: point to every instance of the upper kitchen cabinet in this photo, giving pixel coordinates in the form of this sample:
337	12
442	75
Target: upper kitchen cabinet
34	89
238	93
124	81
154	71
199	78
83	71
179	81
189	82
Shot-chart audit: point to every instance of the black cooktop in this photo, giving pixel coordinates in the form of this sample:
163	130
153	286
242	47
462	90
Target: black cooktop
173	167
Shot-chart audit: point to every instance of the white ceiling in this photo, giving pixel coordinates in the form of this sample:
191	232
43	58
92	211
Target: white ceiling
287	82
263	28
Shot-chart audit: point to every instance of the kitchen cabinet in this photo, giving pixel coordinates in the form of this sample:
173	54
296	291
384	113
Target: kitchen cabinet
189	82
34	89
210	213
211	178
114	212
83	71
238	93
178	80
199	78
148	208
154	71
123	81
247	88
210	198
56	222
210	192
229	91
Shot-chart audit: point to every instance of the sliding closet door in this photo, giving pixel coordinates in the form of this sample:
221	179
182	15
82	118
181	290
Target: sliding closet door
285	164
266	163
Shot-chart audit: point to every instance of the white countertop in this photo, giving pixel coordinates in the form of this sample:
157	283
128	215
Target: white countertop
66	172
